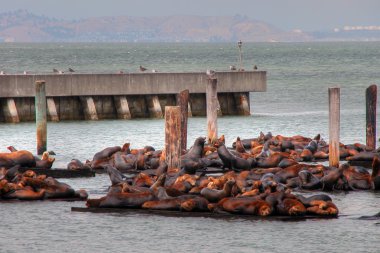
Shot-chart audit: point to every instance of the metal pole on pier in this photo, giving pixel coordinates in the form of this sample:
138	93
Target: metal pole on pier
183	103
371	101
212	109
173	136
334	126
41	118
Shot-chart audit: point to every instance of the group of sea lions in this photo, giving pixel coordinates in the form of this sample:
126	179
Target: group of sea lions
285	159
231	193
30	186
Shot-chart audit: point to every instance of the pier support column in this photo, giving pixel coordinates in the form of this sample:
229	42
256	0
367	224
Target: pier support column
52	110
154	106
242	103
10	111
122	107
173	136
189	113
334	126
212	107
41	117
89	108
218	108
371	102
183	103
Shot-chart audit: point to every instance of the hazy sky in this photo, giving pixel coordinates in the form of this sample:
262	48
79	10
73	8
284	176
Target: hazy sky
285	14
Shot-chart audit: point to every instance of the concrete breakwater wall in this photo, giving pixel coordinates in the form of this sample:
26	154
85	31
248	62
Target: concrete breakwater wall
123	96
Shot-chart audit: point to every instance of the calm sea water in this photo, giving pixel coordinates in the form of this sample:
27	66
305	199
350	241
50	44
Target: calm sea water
299	75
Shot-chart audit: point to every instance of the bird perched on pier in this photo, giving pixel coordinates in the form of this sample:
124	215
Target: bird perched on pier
142	69
26	72
232	67
154	71
254	67
71	70
121	72
210	73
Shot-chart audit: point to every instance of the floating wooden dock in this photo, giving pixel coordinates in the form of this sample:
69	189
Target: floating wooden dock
168	213
124	96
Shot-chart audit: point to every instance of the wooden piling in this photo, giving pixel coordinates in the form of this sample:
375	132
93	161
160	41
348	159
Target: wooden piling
154	106
173	136
183	103
189	112
334	126
212	109
122	107
89	108
371	103
10	111
52	110
41	116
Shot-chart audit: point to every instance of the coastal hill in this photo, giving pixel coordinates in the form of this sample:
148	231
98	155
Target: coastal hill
23	26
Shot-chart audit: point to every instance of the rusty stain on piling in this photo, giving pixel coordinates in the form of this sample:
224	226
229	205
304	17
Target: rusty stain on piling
173	136
41	118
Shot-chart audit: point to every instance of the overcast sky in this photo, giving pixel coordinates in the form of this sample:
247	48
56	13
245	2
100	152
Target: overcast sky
286	14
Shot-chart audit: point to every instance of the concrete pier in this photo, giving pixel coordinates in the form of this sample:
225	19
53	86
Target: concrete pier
124	96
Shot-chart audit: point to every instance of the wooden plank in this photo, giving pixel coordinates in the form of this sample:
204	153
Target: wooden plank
183	103
41	117
212	109
173	136
169	213
371	102
334	126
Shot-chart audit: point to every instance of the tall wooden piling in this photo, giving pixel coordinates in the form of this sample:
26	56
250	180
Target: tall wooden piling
89	108
183	103
154	106
334	126
212	109
371	102
173	136
41	117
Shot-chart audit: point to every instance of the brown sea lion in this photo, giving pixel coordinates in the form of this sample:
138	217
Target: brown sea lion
375	176
197	204
245	205
231	161
46	161
102	158
213	195
130	200
27	193
292	207
23	158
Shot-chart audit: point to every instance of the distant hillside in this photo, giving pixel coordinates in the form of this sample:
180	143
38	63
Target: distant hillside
22	26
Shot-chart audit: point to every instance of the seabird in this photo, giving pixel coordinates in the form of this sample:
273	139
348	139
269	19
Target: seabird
142	69
154	71
25	72
121	72
255	67
232	67
71	70
210	73
55	70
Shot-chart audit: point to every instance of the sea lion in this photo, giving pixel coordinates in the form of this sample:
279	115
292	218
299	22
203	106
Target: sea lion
245	205
102	158
231	161
124	199
46	161
330	180
27	193
116	176
213	195
375	176
309	181
292	207
197	204
23	158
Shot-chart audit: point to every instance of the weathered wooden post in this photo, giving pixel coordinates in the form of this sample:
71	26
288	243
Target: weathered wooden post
212	109
371	102
41	119
183	103
173	136
334	126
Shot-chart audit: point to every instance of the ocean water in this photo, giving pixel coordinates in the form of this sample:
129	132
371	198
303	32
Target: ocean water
299	75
